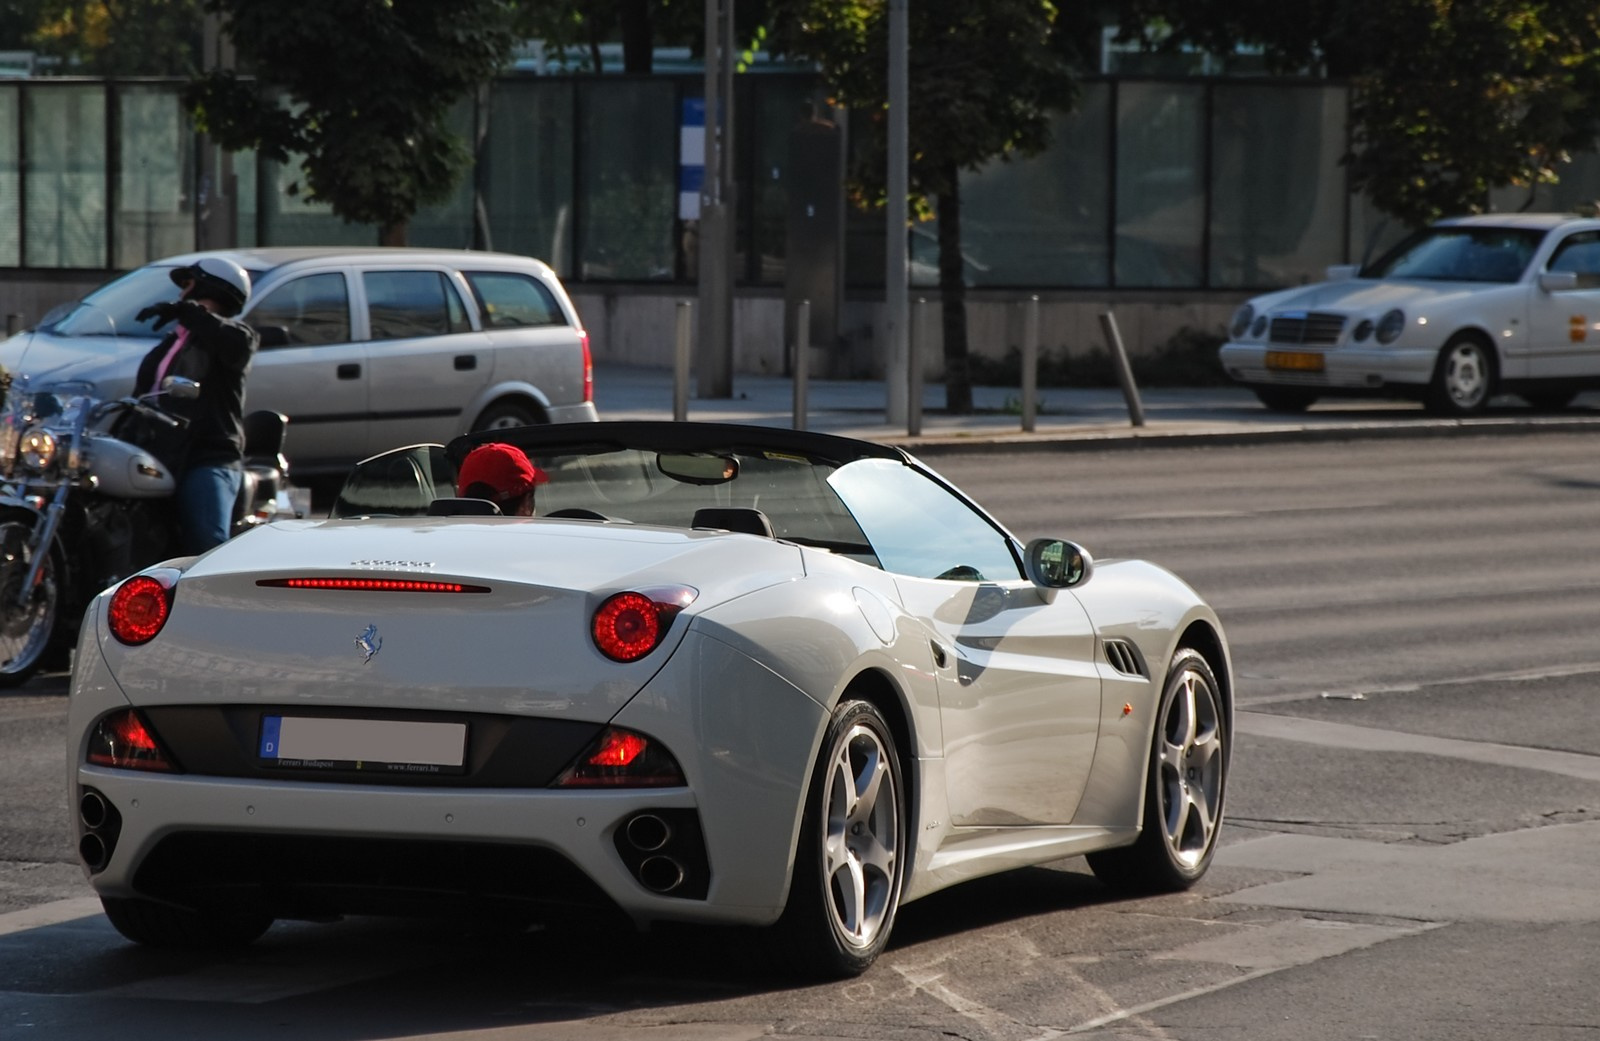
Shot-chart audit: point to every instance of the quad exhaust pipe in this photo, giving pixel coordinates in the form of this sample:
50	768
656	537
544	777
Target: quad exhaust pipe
649	834
99	824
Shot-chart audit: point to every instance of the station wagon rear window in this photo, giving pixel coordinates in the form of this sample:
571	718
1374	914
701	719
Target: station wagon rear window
510	300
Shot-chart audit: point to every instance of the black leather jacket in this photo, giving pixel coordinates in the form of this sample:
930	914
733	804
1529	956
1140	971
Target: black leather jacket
217	356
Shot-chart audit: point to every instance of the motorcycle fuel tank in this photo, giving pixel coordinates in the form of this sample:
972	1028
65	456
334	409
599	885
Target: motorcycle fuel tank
125	471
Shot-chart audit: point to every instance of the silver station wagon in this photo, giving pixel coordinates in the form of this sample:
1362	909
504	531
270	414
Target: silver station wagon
362	349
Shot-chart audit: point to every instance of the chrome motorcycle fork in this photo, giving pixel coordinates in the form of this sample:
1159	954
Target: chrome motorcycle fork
44	531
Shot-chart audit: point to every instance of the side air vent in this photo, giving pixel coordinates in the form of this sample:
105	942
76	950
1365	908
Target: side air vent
1125	658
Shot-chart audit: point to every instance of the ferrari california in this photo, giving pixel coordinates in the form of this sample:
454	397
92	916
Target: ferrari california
725	675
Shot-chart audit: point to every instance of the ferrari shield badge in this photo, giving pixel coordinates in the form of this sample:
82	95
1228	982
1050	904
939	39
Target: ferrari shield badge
370	643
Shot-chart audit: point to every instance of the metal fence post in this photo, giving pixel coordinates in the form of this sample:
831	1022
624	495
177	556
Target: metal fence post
680	363
1130	392
1030	364
802	361
919	335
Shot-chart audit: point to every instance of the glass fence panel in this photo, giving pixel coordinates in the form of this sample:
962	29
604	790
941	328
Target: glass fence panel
1277	186
527	171
155	184
10	177
65	181
1160	183
627	192
1037	221
447	224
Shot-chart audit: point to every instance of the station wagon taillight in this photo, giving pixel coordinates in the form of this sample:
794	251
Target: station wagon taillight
588	366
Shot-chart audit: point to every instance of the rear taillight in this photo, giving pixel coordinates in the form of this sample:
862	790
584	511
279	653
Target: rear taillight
621	758
629	625
140	606
588	366
124	741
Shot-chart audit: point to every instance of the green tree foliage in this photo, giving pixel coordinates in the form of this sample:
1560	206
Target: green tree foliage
362	89
1452	97
113	37
984	79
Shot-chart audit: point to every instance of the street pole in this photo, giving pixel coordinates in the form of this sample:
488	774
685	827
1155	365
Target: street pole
896	282
714	371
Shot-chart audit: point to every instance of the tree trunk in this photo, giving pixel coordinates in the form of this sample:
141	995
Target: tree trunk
394	234
638	36
953	293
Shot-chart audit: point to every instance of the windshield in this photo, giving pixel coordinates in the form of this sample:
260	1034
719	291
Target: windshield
110	310
1459	254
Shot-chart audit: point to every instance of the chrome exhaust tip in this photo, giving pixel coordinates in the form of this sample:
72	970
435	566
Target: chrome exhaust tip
648	833
660	874
92	810
92	851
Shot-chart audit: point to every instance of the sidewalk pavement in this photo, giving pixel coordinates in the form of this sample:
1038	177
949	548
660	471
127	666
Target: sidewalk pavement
1067	417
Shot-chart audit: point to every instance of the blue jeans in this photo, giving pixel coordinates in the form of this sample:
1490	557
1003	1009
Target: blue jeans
205	506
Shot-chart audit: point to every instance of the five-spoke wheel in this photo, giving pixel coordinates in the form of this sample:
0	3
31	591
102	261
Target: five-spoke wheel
1184	790
846	886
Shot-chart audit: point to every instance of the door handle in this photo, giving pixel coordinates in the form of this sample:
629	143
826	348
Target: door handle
349	371
466	362
939	657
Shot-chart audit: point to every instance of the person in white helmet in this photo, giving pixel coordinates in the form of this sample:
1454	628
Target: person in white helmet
211	347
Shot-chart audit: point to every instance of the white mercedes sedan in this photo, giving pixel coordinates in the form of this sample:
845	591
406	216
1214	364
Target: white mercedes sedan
1455	314
726	674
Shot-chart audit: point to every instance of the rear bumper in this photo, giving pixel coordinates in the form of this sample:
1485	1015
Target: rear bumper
744	737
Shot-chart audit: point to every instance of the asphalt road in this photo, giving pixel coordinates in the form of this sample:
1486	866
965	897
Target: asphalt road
1414	810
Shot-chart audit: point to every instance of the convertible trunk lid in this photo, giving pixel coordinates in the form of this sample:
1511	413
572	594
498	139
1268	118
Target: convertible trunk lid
516	640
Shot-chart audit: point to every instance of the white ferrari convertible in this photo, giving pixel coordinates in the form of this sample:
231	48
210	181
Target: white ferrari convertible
730	675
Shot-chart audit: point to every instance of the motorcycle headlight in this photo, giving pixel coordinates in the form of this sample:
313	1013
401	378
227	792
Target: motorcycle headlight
38	449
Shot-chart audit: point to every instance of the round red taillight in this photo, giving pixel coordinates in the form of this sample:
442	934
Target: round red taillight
627	627
139	609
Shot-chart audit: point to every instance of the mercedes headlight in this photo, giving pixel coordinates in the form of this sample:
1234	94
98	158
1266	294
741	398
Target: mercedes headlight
1241	320
38	449
1391	325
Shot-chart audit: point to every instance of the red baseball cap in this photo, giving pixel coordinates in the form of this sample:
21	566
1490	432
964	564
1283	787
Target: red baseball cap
502	467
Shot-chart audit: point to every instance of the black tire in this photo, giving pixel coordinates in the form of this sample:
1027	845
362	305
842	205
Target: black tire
1285	399
854	831
1549	400
28	630
1183	796
1464	377
160	925
508	413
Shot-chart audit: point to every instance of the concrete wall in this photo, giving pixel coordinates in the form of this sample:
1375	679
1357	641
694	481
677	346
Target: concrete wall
633	325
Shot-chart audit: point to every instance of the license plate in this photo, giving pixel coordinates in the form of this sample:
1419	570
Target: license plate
1298	361
378	745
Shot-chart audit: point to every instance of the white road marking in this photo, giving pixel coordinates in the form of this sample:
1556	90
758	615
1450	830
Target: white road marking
49	914
1538	875
1517	676
1371	739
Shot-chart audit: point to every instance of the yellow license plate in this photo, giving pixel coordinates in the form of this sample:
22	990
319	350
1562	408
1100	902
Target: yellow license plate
1298	361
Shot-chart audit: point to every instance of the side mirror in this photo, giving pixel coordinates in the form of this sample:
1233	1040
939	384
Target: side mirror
180	387
272	336
1342	272
1053	564
1558	281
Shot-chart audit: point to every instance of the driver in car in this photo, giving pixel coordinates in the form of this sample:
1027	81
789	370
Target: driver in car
502	474
213	348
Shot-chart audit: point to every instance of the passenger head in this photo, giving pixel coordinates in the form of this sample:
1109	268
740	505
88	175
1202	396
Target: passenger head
502	474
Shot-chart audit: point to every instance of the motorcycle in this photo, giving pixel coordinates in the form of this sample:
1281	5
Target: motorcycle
83	505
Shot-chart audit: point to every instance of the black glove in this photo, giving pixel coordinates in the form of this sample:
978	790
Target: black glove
164	312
